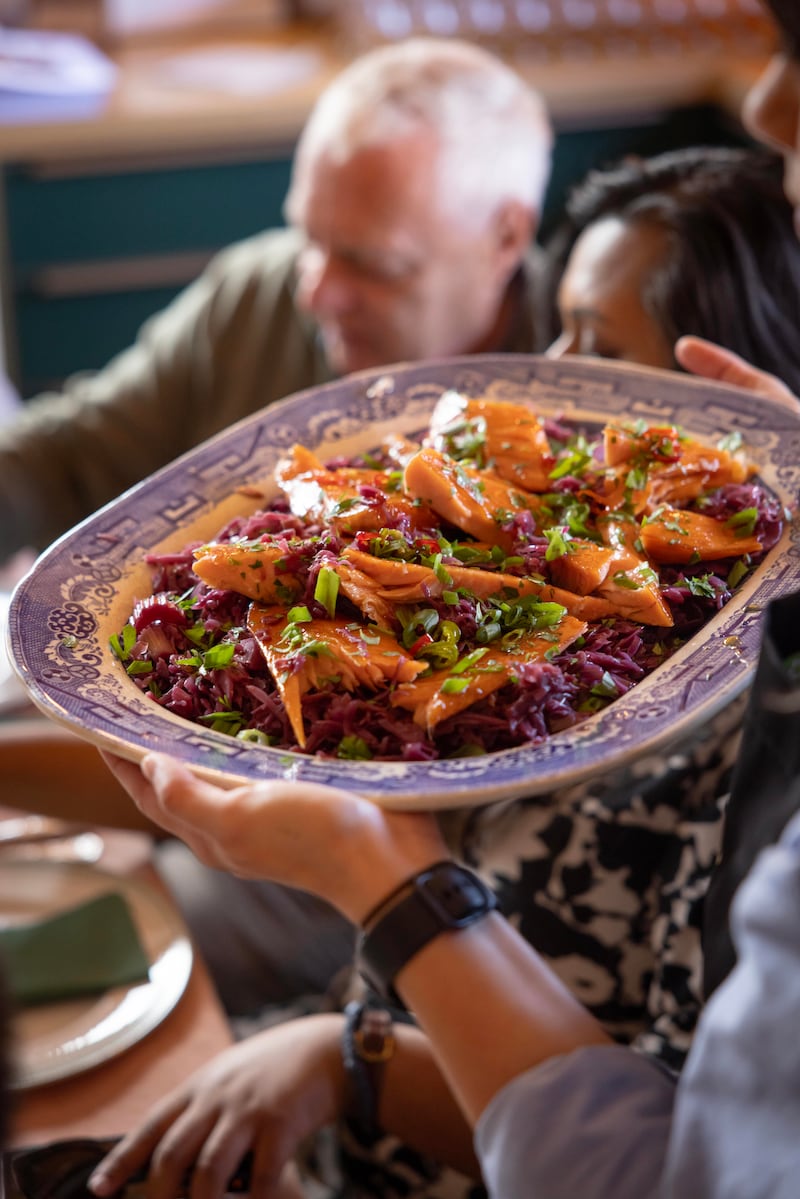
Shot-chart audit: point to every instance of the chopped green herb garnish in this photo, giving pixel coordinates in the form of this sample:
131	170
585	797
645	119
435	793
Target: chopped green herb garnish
636	479
139	667
743	523
559	543
606	688
574	462
737	572
730	442
327	589
229	722
255	736
123	644
701	586
468	661
441	571
345	505
423	620
218	656
353	748
454	686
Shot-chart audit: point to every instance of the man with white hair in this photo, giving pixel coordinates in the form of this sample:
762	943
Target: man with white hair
415	196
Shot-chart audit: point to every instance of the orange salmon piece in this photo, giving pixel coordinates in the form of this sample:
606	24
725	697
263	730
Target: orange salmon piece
634	593
332	497
672	468
657	444
360	589
585	567
472	500
431	705
510	438
250	568
630	585
701	468
673	535
401	582
619	533
307	656
615	575
399	449
405	582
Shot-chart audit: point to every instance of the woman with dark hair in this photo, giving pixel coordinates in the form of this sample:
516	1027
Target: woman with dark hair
698	241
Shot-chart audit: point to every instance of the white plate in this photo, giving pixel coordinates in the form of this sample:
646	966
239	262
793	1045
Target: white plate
56	1040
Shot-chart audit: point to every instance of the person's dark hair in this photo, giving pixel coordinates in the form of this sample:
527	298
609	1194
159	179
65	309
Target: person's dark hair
732	268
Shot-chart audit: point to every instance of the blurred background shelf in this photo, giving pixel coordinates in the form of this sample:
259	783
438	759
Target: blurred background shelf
111	207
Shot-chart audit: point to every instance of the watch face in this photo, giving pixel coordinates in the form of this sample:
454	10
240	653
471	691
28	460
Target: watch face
457	895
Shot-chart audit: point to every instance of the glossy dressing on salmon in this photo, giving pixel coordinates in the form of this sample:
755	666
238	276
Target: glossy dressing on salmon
499	577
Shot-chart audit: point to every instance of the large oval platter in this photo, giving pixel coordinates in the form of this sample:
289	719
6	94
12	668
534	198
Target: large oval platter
83	588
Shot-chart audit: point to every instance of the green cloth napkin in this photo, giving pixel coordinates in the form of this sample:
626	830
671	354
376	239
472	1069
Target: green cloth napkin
81	951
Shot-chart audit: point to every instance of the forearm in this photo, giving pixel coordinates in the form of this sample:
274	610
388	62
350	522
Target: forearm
417	1105
489	1004
492	1009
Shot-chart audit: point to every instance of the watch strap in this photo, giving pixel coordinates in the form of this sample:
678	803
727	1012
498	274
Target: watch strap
444	897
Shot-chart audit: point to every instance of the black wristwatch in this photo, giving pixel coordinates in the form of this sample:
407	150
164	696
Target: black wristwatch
445	896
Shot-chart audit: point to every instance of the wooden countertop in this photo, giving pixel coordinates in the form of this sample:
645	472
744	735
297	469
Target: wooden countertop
160	108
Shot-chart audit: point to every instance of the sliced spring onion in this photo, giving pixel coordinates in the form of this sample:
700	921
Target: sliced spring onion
327	589
255	736
454	686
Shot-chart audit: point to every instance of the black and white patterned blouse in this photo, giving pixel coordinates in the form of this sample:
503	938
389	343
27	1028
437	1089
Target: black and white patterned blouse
606	880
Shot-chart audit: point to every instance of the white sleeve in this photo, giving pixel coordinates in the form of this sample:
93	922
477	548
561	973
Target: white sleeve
593	1123
737	1114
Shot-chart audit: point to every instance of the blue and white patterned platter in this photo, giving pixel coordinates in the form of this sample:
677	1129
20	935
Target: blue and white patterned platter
83	588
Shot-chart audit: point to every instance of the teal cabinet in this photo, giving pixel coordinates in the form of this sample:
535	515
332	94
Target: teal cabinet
92	254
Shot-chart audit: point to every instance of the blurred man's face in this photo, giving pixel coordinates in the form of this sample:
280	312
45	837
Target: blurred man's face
388	273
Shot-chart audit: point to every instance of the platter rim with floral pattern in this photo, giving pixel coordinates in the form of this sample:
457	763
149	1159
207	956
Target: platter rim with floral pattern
82	589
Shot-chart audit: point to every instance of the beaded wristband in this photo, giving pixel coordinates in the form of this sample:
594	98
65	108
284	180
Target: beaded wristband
367	1044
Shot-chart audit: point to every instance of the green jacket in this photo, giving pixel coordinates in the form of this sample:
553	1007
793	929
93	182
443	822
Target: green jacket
229	344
